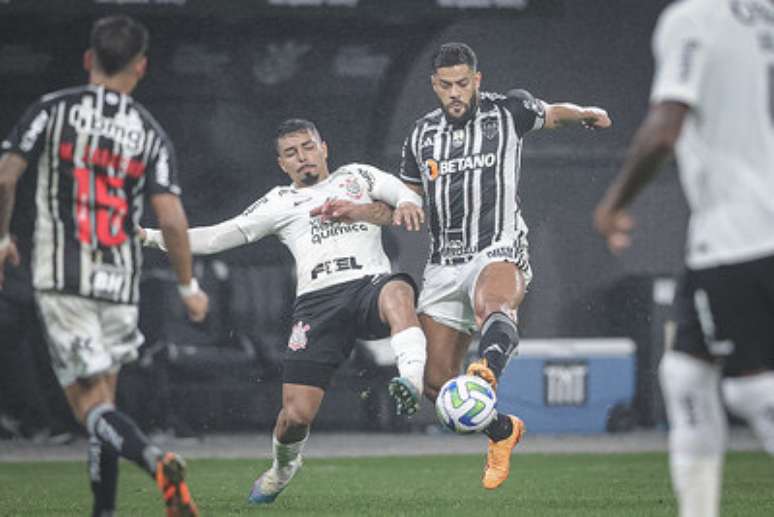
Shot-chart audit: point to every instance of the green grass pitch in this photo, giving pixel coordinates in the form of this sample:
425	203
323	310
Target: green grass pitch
540	485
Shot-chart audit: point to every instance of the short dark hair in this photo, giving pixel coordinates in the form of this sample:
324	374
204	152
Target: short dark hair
293	125
116	41
451	54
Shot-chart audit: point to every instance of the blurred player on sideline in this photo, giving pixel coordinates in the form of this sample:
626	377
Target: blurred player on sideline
95	152
345	289
466	158
712	102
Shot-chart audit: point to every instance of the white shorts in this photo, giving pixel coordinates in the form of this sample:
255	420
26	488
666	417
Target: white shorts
447	290
87	337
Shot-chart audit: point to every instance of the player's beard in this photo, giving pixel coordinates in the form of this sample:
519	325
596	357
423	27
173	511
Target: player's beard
466	115
310	178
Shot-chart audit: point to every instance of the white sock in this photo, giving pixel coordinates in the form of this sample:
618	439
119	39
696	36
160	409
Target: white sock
410	348
697	481
752	398
287	455
697	432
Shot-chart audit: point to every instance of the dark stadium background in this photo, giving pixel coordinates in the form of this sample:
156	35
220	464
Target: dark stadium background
222	75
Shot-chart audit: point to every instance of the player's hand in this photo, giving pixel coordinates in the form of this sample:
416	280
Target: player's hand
142	235
615	226
408	215
8	253
593	117
196	305
337	210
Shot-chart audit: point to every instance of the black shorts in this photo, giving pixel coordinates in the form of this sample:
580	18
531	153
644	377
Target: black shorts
726	314
326	324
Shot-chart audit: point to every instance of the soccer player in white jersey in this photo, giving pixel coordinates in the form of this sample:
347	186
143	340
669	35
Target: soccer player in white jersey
95	153
465	157
712	101
345	289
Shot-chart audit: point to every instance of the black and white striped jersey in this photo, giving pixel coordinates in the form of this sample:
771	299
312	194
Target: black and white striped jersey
95	153
470	173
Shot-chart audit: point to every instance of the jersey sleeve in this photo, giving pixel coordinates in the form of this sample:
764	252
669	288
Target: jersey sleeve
26	137
260	219
528	112
409	170
679	49
386	187
162	174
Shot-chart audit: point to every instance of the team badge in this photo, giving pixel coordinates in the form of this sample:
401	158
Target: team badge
352	188
489	128
297	339
458	137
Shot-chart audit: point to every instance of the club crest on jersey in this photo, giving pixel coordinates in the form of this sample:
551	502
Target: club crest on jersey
298	339
352	188
489	128
458	137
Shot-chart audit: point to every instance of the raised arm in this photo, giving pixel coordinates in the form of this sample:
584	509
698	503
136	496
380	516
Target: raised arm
205	240
565	113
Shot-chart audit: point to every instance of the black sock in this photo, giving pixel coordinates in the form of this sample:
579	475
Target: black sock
500	428
118	432
499	338
103	473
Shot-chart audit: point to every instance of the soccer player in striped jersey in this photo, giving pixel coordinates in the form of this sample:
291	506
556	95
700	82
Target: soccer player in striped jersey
465	158
345	288
96	152
712	103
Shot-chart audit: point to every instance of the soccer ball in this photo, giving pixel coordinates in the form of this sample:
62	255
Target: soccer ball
466	404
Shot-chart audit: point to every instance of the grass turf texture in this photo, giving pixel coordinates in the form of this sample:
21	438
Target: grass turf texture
540	485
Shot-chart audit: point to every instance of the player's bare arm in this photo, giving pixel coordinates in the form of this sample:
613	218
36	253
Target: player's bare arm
565	113
345	211
653	144
408	215
12	166
174	228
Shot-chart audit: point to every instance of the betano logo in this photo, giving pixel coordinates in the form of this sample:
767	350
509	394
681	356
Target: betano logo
434	168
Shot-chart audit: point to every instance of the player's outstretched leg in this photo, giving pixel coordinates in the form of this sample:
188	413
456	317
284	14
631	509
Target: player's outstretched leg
504	433
287	461
499	339
405	394
170	478
112	428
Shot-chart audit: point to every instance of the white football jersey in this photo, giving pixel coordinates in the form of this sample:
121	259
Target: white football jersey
717	56
327	253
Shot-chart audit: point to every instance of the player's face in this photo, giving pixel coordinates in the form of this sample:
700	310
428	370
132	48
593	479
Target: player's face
303	157
457	90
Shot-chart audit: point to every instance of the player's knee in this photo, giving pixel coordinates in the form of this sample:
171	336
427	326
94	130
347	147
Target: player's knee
697	420
752	398
397	296
297	416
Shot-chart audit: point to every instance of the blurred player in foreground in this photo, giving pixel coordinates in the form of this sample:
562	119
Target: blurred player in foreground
465	157
95	152
712	102
345	289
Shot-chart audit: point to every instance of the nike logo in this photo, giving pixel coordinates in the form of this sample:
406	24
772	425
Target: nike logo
296	203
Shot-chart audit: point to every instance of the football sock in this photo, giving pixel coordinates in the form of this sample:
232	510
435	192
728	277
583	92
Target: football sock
103	474
499	339
697	432
752	398
286	453
697	481
117	431
410	348
500	428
